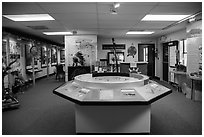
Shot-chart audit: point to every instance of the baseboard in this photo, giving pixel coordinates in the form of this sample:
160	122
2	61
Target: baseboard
44	77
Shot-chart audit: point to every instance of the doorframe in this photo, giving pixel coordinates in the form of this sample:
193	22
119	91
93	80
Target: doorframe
148	45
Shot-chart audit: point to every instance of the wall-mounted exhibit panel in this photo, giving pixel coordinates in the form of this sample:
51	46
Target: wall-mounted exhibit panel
98	97
53	56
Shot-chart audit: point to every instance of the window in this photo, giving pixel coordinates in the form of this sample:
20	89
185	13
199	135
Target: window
145	54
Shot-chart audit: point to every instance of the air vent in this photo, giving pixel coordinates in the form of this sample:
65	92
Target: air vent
38	27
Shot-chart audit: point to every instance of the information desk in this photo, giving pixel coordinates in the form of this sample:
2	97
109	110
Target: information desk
112	104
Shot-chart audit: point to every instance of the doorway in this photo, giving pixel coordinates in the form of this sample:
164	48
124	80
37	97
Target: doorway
170	59
146	53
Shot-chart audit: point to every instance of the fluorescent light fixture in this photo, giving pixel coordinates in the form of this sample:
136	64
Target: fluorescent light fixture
57	33
139	32
151	17
29	17
116	4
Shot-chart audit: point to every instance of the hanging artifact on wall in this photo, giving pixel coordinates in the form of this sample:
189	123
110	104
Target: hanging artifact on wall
43	56
62	56
32	50
53	56
15	50
132	51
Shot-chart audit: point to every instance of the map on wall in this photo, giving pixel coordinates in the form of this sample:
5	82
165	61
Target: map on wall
81	50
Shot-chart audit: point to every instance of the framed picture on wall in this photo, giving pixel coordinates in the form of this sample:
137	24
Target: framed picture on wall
43	56
62	56
53	56
28	57
111	57
4	51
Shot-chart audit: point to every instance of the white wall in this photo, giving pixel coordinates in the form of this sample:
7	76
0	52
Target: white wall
102	54
194	42
178	35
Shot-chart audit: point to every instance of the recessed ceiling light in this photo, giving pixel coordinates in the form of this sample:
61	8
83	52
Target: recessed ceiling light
151	17
29	17
139	32
57	33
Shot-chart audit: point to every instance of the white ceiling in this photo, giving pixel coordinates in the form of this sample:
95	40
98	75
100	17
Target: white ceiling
95	17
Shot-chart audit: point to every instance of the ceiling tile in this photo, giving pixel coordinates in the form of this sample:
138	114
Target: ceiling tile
176	9
79	24
113	24
69	7
180	3
134	9
125	9
75	16
119	17
152	25
139	3
112	32
95	17
20	8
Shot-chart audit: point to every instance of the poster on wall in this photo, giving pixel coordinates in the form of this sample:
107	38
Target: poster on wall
131	51
172	56
120	57
28	56
81	50
4	44
62	56
14	55
53	56
43	56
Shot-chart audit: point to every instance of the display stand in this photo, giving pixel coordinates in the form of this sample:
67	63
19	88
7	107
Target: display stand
113	119
112	103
